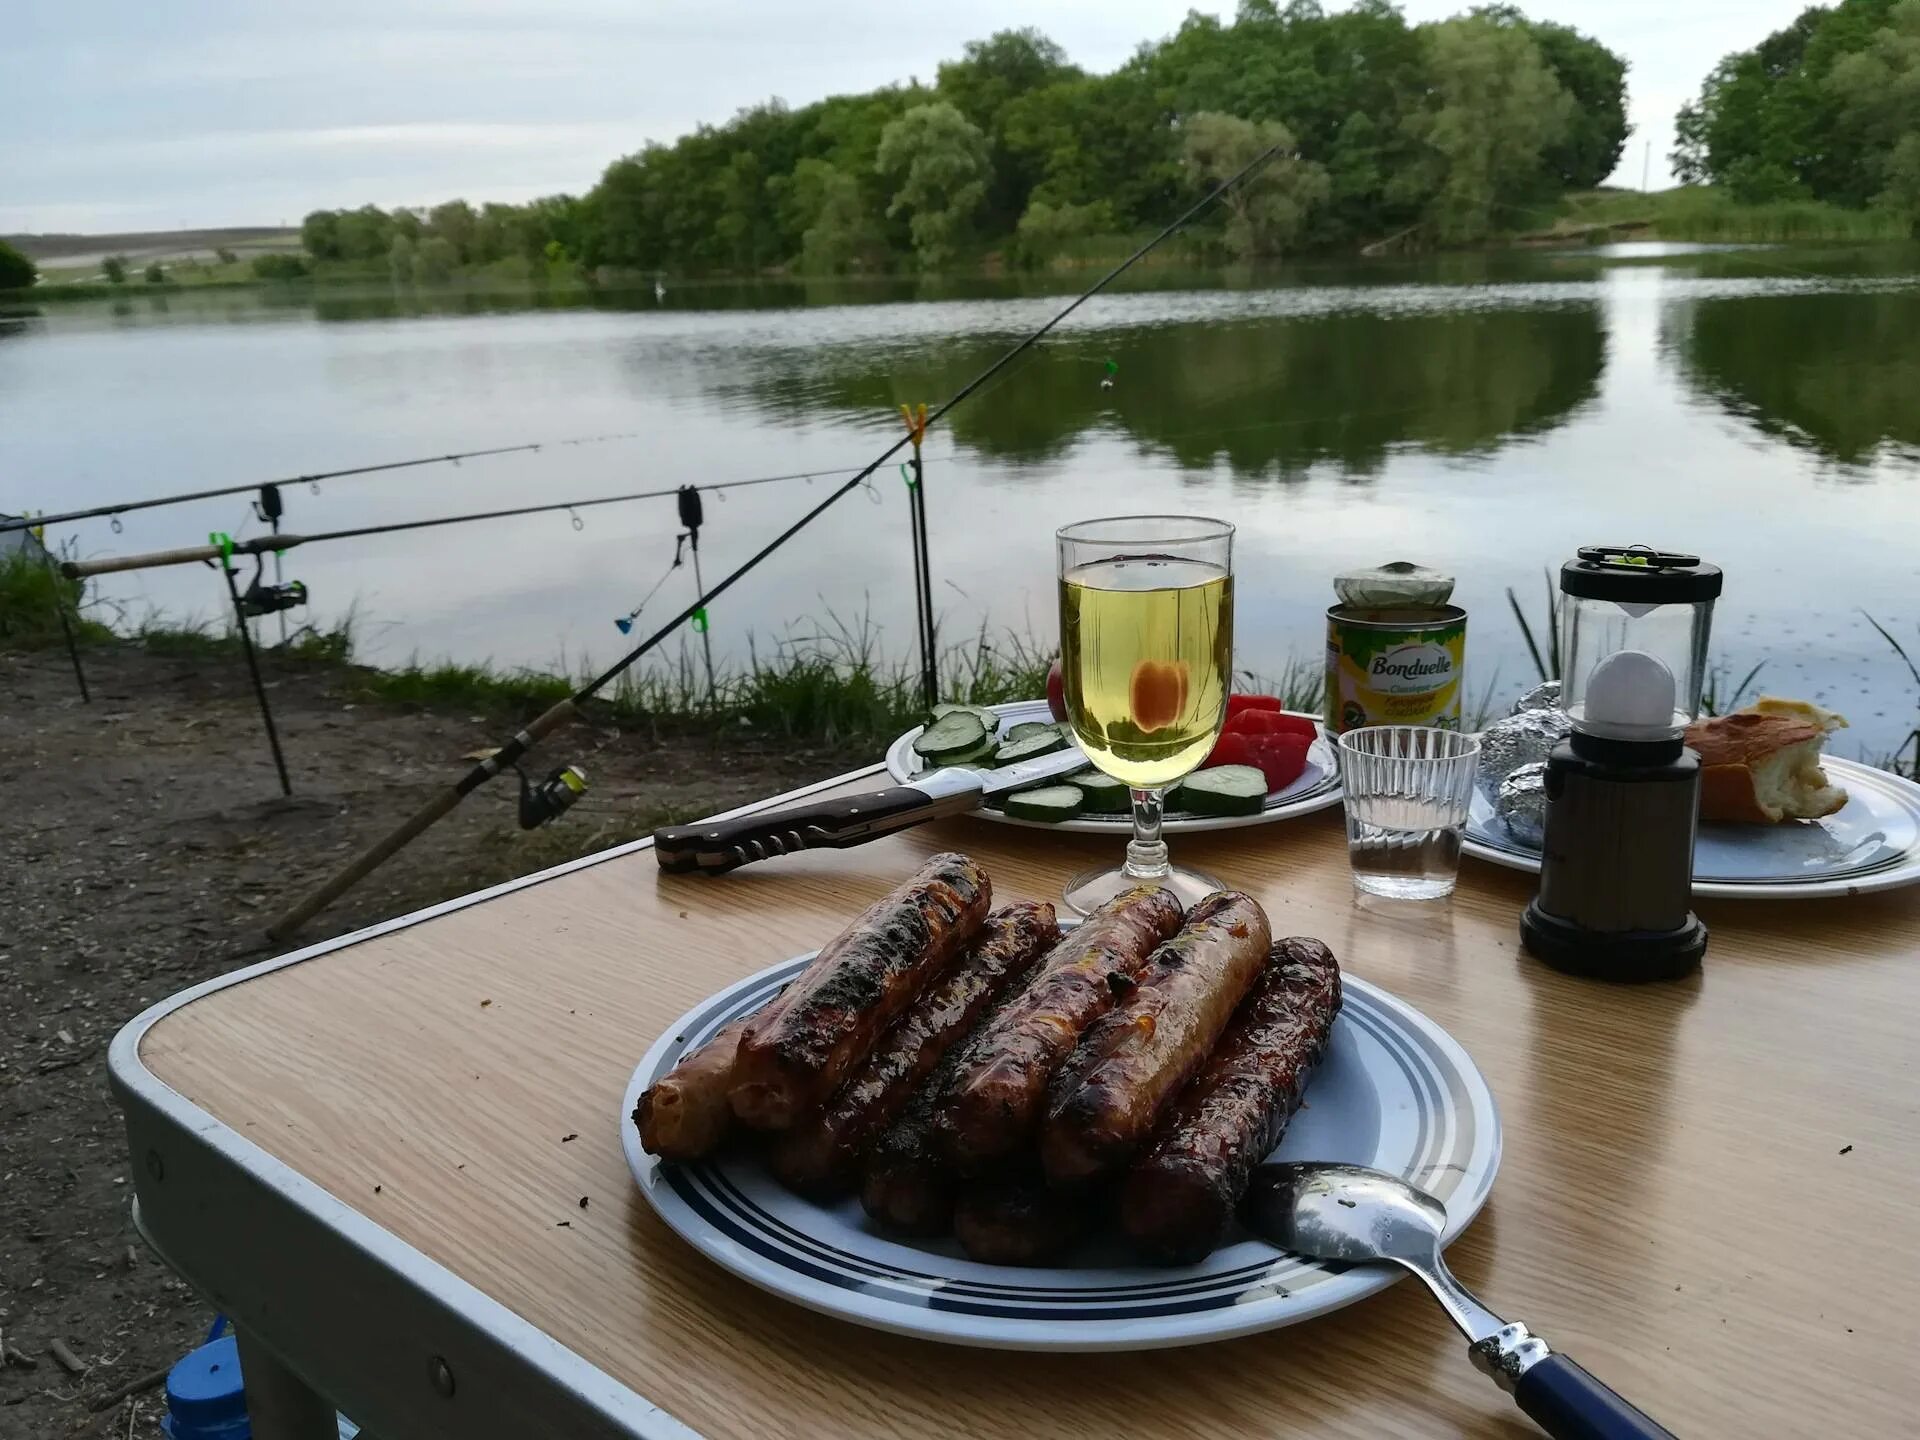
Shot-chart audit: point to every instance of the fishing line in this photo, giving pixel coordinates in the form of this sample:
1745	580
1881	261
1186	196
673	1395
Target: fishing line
560	713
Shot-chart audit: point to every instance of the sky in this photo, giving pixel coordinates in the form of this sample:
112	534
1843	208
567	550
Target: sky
119	115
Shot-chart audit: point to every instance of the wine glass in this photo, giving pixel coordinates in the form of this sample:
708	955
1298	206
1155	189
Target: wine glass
1146	655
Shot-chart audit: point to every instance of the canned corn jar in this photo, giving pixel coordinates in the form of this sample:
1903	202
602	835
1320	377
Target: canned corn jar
1396	650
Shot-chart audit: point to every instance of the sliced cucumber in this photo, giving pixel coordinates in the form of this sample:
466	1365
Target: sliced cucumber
1028	747
980	712
953	734
979	758
1029	727
1104	794
1223	790
1049	802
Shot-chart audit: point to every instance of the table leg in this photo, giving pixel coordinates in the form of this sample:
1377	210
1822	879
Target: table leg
280	1405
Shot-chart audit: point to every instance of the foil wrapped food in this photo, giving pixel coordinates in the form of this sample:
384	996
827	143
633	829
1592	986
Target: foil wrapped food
1518	740
1544	696
1521	804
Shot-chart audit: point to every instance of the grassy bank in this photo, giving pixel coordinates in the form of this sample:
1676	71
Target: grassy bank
1704	214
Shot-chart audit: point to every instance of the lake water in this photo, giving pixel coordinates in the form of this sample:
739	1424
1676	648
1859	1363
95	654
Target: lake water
1485	414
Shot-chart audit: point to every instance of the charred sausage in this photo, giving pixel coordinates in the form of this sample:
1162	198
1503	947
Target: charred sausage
835	1012
820	1154
907	1185
994	1102
1133	1060
1015	1220
685	1114
1181	1193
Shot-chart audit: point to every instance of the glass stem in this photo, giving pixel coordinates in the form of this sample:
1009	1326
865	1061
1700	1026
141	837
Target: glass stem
1146	852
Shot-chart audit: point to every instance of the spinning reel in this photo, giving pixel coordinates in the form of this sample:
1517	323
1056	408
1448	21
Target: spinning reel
552	797
260	598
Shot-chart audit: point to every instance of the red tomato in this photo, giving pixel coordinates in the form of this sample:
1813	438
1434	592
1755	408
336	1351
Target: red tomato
1281	758
1157	693
1270	722
1236	704
1056	692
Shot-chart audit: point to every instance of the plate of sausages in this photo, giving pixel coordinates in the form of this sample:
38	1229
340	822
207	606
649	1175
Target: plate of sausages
978	1125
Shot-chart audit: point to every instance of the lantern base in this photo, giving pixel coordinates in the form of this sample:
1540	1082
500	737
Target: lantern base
1628	957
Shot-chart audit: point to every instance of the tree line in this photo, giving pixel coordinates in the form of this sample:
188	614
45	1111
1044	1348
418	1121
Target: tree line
1827	108
1435	133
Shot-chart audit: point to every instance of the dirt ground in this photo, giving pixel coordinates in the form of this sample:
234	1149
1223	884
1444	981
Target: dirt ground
143	844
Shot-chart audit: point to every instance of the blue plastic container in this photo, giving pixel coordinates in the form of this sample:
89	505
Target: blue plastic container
205	1397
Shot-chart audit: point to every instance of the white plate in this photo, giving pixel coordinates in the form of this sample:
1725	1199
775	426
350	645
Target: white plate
1395	1091
1870	843
1317	788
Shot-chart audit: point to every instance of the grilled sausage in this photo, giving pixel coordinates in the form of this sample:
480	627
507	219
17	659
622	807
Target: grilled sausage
1181	1194
994	1102
1015	1220
819	1155
840	1005
1133	1060
907	1185
685	1114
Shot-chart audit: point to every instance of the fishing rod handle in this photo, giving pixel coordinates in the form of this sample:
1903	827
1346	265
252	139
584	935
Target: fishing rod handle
153	559
834	822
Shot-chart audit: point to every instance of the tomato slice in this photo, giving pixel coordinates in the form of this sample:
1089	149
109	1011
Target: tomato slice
1271	722
1237	704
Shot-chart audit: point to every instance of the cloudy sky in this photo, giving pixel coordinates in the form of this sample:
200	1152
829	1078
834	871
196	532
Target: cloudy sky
129	115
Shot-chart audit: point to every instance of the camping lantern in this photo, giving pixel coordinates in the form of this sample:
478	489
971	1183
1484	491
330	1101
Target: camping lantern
1623	791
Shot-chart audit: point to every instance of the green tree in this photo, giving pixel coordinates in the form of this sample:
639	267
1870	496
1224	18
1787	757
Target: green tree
154	274
1046	230
114	267
400	260
989	78
435	260
226	256
837	230
937	160
455	223
17	272
320	235
1596	78
1493	111
279	266
1878	90
1774	122
1268	211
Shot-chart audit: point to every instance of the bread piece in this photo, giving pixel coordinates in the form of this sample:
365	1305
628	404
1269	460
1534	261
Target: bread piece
1828	720
1763	766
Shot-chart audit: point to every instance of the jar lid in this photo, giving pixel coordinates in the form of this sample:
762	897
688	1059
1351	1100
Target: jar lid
1635	574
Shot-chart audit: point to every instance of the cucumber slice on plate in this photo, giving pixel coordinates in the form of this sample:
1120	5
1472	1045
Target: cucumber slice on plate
1027	747
1104	794
1025	728
1049	802
1223	790
980	712
950	736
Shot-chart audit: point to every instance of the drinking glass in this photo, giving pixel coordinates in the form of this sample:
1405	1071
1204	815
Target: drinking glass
1407	792
1146	656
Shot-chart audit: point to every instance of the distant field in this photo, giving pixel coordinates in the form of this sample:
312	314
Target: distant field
56	253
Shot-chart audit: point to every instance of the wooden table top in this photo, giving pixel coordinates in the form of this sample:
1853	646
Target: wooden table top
1708	1195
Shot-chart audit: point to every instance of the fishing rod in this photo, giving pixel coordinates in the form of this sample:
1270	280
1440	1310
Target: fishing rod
523	740
315	478
286	540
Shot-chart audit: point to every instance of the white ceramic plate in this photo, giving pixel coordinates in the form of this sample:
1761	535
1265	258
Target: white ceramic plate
1317	788
1395	1091
1871	843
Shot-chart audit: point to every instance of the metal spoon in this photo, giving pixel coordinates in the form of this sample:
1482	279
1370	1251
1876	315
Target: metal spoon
1353	1214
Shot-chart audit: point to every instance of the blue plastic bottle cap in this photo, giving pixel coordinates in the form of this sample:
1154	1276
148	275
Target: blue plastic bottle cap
205	1397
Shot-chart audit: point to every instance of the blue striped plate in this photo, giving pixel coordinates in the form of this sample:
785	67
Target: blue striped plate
1395	1091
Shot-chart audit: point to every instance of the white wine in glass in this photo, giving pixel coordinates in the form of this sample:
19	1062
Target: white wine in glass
1146	656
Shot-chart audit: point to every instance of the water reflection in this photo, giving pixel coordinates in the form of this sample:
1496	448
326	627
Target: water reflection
1265	398
1837	373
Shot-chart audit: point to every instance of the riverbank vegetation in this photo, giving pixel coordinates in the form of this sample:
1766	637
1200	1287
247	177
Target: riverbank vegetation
1827	109
1416	135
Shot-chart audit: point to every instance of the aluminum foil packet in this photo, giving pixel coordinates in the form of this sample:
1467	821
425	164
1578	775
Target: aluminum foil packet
1521	804
1522	739
1544	696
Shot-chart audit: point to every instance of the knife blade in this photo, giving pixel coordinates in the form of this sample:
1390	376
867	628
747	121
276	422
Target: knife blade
714	847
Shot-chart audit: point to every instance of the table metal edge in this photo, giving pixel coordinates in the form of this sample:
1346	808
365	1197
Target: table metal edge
389	1319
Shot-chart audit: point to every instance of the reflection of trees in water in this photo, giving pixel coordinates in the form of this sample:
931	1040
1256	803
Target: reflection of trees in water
1836	374
1263	397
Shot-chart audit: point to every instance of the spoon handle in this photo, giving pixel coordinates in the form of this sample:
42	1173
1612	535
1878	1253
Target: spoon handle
1569	1404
